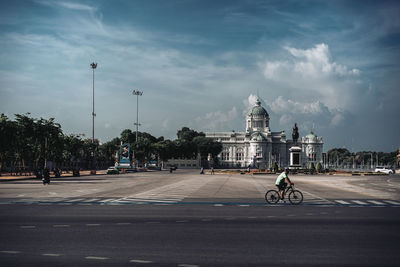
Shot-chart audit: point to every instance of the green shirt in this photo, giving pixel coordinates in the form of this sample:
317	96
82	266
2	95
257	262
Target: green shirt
281	177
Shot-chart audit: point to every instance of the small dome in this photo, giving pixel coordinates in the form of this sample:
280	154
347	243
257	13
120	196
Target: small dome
311	136
258	110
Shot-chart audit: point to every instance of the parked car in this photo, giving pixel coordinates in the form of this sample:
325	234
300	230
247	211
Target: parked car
383	170
112	170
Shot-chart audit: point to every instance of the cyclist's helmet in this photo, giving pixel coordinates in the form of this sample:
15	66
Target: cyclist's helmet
287	170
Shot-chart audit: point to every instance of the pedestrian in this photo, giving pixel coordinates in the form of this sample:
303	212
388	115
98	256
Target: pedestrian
212	170
202	170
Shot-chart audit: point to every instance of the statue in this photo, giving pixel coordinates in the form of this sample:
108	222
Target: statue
295	134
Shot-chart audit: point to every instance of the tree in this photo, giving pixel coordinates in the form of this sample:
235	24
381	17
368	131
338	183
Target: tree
319	167
7	139
108	150
311	167
188	134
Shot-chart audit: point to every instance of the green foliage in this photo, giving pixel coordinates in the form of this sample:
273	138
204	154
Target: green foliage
318	167
311	167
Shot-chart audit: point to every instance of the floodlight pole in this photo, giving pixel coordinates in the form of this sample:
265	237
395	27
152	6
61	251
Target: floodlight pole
94	66
137	93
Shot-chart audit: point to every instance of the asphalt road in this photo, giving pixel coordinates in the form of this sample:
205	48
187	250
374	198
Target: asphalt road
185	219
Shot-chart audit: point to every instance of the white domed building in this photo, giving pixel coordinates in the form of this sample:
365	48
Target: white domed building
259	147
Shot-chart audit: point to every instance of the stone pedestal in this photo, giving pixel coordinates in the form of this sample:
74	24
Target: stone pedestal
295	157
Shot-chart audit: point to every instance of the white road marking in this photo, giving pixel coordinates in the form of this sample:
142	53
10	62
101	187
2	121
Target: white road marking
244	205
93	224
376	202
315	196
206	220
182	221
123	223
107	200
392	202
10	252
360	202
218	205
152	222
75	200
27	226
51	255
342	202
91	200
140	261
61	225
96	258
188	265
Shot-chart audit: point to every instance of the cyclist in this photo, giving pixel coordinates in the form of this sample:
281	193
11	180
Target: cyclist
280	182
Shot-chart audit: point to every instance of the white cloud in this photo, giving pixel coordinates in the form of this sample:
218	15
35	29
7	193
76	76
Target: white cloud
281	105
313	74
317	61
249	103
217	120
68	5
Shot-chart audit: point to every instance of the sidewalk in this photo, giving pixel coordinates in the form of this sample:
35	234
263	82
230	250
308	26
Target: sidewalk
8	177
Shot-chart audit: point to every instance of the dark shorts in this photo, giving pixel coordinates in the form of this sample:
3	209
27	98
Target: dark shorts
282	185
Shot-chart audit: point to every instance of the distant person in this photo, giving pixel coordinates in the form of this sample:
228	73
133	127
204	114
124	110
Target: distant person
202	170
212	170
281	184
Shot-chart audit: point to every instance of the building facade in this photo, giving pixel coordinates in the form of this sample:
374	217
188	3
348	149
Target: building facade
259	147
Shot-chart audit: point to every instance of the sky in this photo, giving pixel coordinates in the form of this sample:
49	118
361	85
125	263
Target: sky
329	66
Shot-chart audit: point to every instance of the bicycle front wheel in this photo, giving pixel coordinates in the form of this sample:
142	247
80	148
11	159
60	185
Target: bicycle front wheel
272	196
295	197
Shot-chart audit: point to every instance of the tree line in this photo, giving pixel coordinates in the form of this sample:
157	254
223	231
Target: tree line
28	143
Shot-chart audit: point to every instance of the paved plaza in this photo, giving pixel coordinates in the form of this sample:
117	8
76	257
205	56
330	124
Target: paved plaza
190	187
187	219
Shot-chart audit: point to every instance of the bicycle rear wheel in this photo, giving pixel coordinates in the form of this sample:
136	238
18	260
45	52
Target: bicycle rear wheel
295	197
272	196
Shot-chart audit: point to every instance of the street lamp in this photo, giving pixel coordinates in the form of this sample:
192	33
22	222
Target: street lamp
93	65
137	93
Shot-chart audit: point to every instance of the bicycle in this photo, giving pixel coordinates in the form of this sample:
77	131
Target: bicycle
295	196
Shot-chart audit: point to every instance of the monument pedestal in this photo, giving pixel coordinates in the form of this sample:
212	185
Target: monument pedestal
295	157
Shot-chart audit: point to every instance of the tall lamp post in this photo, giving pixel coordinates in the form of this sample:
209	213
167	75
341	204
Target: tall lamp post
137	93
94	66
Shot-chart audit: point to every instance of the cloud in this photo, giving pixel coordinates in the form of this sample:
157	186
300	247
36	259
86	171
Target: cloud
68	5
312	73
283	105
218	120
314	63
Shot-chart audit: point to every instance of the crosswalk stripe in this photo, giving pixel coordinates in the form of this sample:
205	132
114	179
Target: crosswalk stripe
360	202
343	202
376	202
392	202
107	200
90	200
75	200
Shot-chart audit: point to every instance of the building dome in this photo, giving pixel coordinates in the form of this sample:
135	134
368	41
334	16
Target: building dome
311	136
258	110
